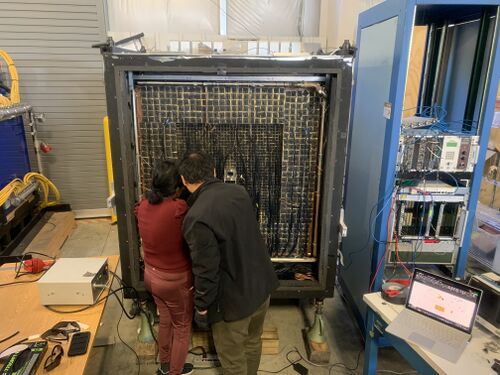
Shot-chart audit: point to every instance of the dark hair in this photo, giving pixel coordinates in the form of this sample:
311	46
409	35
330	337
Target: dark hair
164	182
197	167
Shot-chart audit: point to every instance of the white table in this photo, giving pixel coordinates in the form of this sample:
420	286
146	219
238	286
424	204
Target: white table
474	360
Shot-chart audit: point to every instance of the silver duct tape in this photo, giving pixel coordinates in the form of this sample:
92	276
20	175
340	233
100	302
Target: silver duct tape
25	194
6	113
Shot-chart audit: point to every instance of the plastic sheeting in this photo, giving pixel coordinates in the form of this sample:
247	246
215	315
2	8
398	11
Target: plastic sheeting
245	18
251	18
164	16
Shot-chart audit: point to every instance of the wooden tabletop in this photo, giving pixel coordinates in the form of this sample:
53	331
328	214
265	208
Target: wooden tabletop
21	311
474	360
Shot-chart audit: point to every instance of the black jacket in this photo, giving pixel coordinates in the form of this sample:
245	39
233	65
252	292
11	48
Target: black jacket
233	274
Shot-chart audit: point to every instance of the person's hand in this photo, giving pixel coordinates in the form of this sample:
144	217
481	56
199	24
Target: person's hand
201	319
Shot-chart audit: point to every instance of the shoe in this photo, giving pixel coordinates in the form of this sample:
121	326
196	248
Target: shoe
187	369
165	366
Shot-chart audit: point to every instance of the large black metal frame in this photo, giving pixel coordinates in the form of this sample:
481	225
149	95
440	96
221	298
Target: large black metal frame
338	74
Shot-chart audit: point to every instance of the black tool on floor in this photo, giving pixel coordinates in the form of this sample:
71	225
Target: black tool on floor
25	362
496	366
300	369
79	343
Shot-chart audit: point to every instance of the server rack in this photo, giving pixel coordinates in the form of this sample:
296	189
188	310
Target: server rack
413	181
278	126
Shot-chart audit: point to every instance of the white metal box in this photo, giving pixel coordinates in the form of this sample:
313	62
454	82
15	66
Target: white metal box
74	281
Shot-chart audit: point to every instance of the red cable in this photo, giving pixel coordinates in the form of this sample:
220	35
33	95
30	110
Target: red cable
378	268
399	259
387	244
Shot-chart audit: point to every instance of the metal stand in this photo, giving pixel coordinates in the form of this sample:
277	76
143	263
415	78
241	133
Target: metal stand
317	347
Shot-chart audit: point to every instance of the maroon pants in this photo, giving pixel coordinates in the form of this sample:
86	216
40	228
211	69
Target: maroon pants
173	294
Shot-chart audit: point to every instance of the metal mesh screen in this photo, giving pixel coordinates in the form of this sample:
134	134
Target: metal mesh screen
262	136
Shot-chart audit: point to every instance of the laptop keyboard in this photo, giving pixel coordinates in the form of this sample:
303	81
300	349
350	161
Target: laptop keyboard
423	325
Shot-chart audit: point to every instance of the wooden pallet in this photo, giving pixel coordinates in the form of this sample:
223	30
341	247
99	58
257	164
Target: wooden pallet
53	234
146	352
270	341
203	339
316	352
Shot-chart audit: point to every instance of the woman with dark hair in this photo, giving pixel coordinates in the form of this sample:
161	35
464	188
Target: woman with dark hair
167	273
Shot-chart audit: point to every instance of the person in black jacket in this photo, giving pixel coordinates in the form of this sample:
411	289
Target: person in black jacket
233	274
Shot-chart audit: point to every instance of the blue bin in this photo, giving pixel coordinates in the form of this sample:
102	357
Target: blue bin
14	160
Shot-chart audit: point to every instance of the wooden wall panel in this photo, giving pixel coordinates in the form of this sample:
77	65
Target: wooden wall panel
414	70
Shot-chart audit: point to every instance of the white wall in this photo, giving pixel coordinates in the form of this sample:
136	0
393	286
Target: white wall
339	19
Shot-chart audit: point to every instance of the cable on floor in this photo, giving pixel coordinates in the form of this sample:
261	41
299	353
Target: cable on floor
330	367
283	368
123	341
203	351
123	311
137	301
340	364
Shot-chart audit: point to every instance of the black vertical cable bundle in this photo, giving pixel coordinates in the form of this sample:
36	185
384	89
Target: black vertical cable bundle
266	132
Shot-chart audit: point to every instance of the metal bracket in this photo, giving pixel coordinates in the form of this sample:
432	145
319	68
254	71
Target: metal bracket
340	257
342	224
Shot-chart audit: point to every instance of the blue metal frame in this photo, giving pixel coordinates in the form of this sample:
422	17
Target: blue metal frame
375	333
405	10
396	98
380	13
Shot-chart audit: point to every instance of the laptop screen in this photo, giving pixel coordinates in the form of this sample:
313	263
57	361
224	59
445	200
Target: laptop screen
448	301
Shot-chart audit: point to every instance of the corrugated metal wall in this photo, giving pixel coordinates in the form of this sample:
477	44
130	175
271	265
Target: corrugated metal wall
62	76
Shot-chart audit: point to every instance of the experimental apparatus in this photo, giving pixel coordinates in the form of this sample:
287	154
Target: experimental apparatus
277	126
426	79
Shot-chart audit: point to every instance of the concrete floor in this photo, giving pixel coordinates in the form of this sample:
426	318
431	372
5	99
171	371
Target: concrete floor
111	356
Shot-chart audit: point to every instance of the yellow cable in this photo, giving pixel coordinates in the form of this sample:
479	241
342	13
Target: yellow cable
14	97
46	186
15	187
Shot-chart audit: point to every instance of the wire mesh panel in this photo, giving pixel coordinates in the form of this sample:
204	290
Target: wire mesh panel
262	136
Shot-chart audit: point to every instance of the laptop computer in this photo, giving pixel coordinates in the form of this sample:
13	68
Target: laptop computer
439	315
